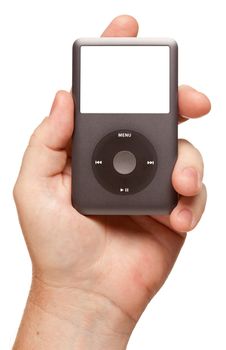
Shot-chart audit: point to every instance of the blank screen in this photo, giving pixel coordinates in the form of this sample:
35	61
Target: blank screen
124	79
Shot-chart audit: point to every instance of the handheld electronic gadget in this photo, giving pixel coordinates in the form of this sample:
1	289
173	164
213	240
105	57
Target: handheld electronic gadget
125	139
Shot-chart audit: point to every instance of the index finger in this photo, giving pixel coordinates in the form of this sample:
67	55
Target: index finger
192	103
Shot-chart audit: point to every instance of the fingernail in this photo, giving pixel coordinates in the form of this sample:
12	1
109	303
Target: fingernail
185	217
193	175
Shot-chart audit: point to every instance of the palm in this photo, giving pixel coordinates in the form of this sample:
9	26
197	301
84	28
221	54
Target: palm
134	258
104	252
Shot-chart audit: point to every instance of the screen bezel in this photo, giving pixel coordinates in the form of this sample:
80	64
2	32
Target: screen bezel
112	41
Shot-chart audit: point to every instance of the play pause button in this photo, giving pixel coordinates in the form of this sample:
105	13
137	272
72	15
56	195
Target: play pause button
126	189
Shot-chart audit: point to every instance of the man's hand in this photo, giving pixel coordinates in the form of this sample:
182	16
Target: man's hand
94	275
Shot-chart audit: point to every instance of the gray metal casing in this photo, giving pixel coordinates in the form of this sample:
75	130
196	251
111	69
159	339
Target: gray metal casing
159	197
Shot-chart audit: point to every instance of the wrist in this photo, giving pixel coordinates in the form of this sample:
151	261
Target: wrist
80	318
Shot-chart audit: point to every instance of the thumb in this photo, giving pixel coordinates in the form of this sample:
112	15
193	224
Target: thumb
46	153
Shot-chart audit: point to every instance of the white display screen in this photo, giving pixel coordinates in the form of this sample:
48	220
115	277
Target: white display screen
125	79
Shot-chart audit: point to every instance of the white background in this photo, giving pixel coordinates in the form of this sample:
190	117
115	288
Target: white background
35	55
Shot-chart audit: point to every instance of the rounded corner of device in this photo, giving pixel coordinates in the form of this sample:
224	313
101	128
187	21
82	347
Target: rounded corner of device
167	208
78	207
172	43
78	42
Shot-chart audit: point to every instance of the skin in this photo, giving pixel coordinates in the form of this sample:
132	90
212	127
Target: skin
94	275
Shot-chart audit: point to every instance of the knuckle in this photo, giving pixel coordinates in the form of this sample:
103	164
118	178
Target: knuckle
199	154
186	146
184	142
16	191
35	136
204	191
203	199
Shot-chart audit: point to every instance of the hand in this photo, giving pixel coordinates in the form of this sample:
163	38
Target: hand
116	262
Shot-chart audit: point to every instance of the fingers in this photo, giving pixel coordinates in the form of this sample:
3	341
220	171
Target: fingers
187	181
122	26
192	103
188	212
188	171
45	154
55	132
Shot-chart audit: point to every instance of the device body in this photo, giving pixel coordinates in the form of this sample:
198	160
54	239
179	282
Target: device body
123	158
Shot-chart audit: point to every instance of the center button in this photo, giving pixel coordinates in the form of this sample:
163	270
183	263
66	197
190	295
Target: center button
124	162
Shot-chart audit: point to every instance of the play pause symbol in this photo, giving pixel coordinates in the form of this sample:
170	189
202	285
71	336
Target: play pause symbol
126	189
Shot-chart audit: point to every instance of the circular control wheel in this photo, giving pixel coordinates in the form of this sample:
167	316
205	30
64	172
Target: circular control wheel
124	162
